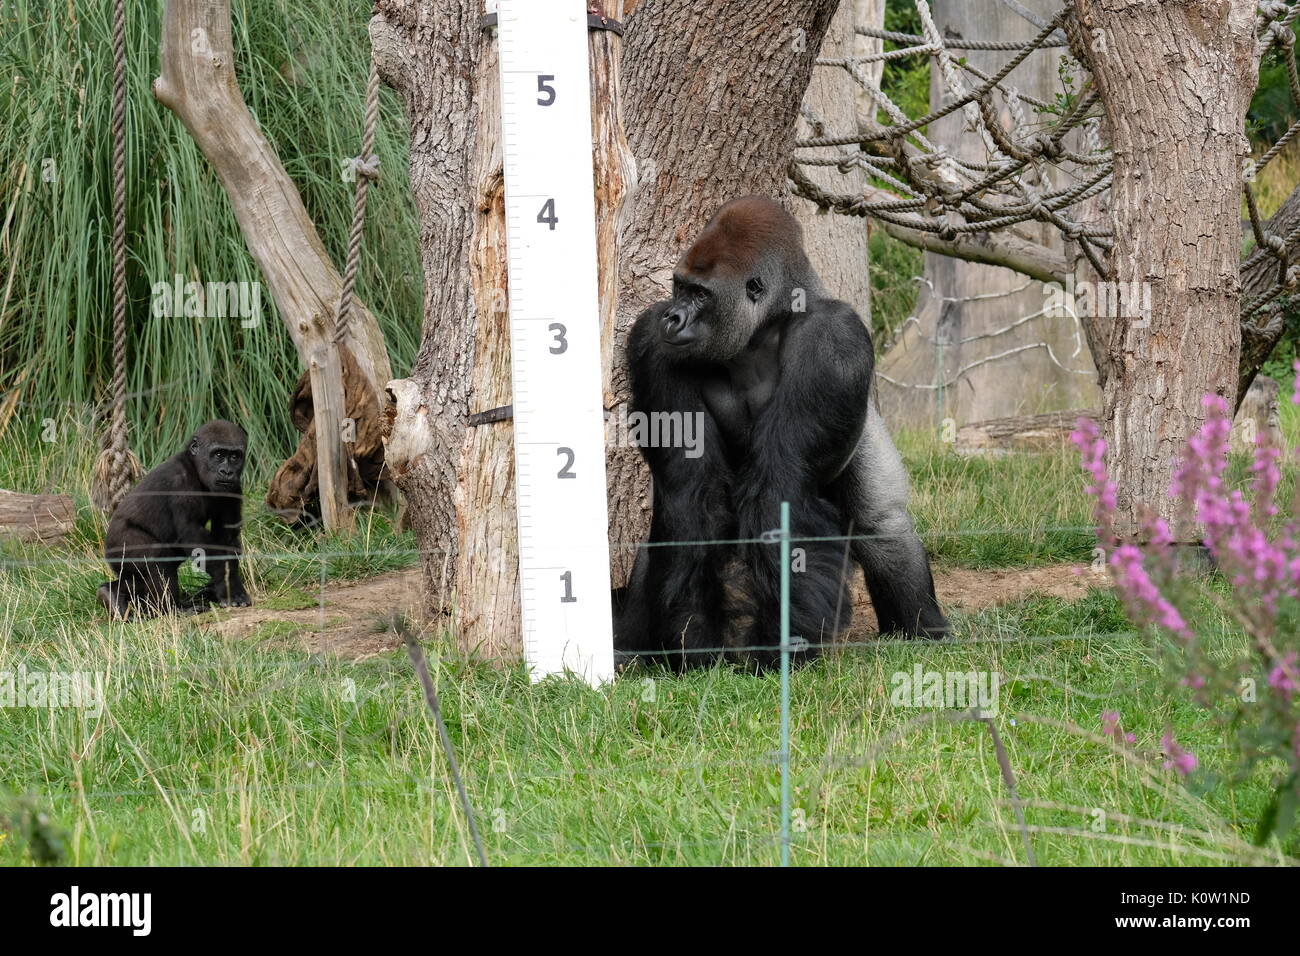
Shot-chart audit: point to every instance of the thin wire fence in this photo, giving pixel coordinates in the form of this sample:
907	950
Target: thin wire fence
267	682
1040	168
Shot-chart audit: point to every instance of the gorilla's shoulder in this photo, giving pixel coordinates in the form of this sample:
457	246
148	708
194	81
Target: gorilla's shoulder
168	474
838	318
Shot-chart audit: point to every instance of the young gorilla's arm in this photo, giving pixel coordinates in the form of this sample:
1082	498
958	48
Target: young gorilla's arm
674	598
222	553
803	437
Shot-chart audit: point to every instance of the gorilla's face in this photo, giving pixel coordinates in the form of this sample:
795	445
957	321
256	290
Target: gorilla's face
708	320
218	456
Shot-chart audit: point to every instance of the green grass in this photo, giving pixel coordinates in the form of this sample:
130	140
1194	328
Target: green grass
282	765
230	751
894	266
986	512
225	751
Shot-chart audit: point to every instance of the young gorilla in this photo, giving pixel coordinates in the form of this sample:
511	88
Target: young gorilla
780	374
166	516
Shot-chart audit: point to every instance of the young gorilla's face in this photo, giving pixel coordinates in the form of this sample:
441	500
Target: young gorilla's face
218	458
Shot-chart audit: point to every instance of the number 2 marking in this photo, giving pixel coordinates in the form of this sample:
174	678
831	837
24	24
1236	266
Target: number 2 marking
564	472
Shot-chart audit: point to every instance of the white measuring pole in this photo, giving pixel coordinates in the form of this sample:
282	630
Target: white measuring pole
555	338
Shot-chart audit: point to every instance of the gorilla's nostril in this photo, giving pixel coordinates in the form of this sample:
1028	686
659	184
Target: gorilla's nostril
672	325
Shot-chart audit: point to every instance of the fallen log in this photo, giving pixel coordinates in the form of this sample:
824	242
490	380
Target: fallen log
40	518
997	437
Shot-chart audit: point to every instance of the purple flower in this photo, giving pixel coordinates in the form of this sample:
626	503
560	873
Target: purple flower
1282	678
1184	761
1088	438
1240	531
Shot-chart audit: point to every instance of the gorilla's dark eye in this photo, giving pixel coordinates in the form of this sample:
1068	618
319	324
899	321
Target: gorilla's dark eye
754	289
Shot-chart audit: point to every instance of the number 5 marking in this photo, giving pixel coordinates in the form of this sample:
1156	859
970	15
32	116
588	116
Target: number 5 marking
548	92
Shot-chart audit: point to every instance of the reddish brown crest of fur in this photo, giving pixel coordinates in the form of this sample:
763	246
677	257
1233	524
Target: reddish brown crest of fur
737	236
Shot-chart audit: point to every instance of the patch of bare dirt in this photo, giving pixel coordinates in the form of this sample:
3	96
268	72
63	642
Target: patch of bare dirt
970	589
349	619
352	620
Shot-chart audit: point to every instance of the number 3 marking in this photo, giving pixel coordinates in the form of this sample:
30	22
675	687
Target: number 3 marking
561	343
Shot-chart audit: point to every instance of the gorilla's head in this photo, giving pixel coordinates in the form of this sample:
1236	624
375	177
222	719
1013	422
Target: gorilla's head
746	268
217	451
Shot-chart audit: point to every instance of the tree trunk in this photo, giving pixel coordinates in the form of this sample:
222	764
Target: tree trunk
1175	81
699	137
836	244
197	82
1261	331
967	356
442	64
616	177
998	437
709	118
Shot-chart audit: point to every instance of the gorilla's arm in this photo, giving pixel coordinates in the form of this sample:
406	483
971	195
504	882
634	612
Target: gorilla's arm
226	586
802	439
673	597
807	432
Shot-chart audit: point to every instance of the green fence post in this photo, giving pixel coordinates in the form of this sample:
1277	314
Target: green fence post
785	683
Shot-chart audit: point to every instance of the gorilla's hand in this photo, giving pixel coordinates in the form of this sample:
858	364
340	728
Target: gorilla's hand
237	597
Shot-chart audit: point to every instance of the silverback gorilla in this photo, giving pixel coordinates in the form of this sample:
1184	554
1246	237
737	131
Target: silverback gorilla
779	375
166	517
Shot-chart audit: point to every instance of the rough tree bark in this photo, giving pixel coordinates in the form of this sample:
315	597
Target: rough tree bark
1175	81
441	63
469	535
962	300
837	245
197	82
41	518
1261	332
711	92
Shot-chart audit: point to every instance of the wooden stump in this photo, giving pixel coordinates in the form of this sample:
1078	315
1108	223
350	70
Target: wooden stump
999	437
40	518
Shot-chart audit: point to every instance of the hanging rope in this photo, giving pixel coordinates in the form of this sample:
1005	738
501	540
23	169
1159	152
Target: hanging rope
367	168
117	468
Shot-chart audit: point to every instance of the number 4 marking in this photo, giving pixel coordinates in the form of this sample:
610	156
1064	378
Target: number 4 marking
547	215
